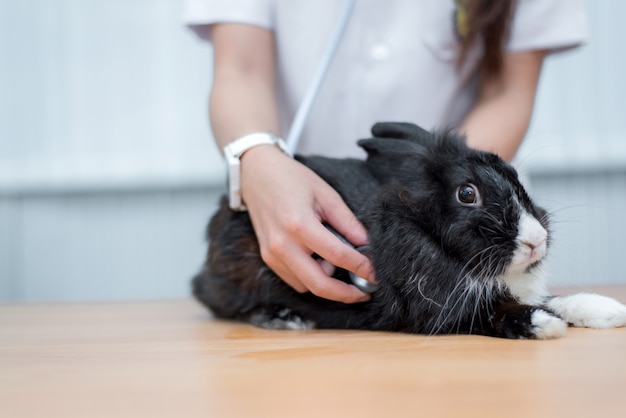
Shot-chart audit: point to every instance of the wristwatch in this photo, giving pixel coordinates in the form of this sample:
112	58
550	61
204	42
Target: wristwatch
233	153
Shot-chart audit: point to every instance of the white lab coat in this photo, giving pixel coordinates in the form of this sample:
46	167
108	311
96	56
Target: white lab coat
396	60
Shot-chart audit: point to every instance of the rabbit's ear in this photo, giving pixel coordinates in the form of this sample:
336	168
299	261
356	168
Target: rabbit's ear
389	158
389	147
402	130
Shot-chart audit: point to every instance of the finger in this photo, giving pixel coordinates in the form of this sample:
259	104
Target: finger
327	268
330	248
285	273
341	218
315	279
279	261
303	273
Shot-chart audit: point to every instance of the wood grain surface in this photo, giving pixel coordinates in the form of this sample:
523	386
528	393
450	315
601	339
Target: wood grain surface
171	359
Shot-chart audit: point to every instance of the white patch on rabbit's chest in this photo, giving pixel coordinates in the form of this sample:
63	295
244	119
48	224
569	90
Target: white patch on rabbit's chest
528	288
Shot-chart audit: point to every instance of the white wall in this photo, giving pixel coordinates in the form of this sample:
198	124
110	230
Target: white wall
578	123
99	92
575	152
107	170
108	174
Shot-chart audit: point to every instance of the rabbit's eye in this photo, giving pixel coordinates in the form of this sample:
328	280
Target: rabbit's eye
467	195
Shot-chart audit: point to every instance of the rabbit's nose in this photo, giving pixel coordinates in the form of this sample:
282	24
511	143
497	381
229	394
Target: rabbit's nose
534	244
531	232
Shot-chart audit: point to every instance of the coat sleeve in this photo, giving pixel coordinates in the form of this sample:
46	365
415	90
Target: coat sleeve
198	15
553	25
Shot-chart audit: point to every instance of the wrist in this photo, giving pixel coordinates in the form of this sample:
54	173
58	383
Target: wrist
234	153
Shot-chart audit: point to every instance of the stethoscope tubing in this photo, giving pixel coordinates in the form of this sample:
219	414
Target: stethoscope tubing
293	138
295	132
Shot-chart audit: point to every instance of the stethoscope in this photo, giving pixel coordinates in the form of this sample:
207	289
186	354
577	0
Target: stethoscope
303	111
309	97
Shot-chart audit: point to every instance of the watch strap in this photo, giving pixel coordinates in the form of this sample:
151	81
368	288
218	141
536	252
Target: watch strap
243	144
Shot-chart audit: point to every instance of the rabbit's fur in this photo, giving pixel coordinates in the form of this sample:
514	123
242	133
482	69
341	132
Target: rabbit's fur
454	238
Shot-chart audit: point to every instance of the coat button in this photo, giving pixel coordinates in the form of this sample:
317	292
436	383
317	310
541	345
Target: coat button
379	51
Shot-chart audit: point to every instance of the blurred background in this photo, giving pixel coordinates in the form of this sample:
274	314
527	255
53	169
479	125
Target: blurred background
108	173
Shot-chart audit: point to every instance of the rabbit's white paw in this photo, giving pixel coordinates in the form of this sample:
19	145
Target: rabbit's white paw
589	310
545	325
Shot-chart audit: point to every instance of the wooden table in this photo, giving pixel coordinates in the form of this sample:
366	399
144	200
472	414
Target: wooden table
169	359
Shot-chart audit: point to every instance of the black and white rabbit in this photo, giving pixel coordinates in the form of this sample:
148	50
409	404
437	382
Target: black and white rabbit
454	239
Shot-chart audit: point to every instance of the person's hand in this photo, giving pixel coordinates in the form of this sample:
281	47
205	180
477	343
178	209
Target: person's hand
288	203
